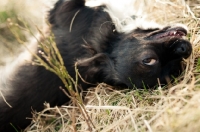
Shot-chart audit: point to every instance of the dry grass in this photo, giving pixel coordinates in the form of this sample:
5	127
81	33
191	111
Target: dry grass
172	109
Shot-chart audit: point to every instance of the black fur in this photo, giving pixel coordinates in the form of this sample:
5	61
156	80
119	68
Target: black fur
103	55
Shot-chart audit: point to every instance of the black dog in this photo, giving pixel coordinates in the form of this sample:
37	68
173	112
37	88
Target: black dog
90	37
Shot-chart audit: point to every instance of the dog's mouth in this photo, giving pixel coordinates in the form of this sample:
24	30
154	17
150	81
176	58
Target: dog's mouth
176	32
172	38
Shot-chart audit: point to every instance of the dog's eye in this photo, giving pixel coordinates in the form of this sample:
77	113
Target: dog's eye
149	61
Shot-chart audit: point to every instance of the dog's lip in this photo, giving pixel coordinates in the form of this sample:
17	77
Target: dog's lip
177	32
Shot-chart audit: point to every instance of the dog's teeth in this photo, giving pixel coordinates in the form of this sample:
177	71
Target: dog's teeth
174	32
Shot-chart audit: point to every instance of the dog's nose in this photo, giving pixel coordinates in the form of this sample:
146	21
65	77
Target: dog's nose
184	50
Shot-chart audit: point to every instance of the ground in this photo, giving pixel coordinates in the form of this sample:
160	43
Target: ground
172	108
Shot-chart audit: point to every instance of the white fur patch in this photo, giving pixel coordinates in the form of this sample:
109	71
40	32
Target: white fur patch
34	13
12	65
126	14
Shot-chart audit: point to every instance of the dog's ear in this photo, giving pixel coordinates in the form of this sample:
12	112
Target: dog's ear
100	58
99	66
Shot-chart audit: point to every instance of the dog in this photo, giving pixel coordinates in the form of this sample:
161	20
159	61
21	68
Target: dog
106	47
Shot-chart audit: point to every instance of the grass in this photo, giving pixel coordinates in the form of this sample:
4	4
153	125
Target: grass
173	108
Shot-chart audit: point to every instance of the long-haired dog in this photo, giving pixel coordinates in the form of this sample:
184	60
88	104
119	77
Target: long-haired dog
106	47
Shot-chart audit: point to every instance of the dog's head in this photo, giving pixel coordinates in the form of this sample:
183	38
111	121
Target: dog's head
144	56
122	54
